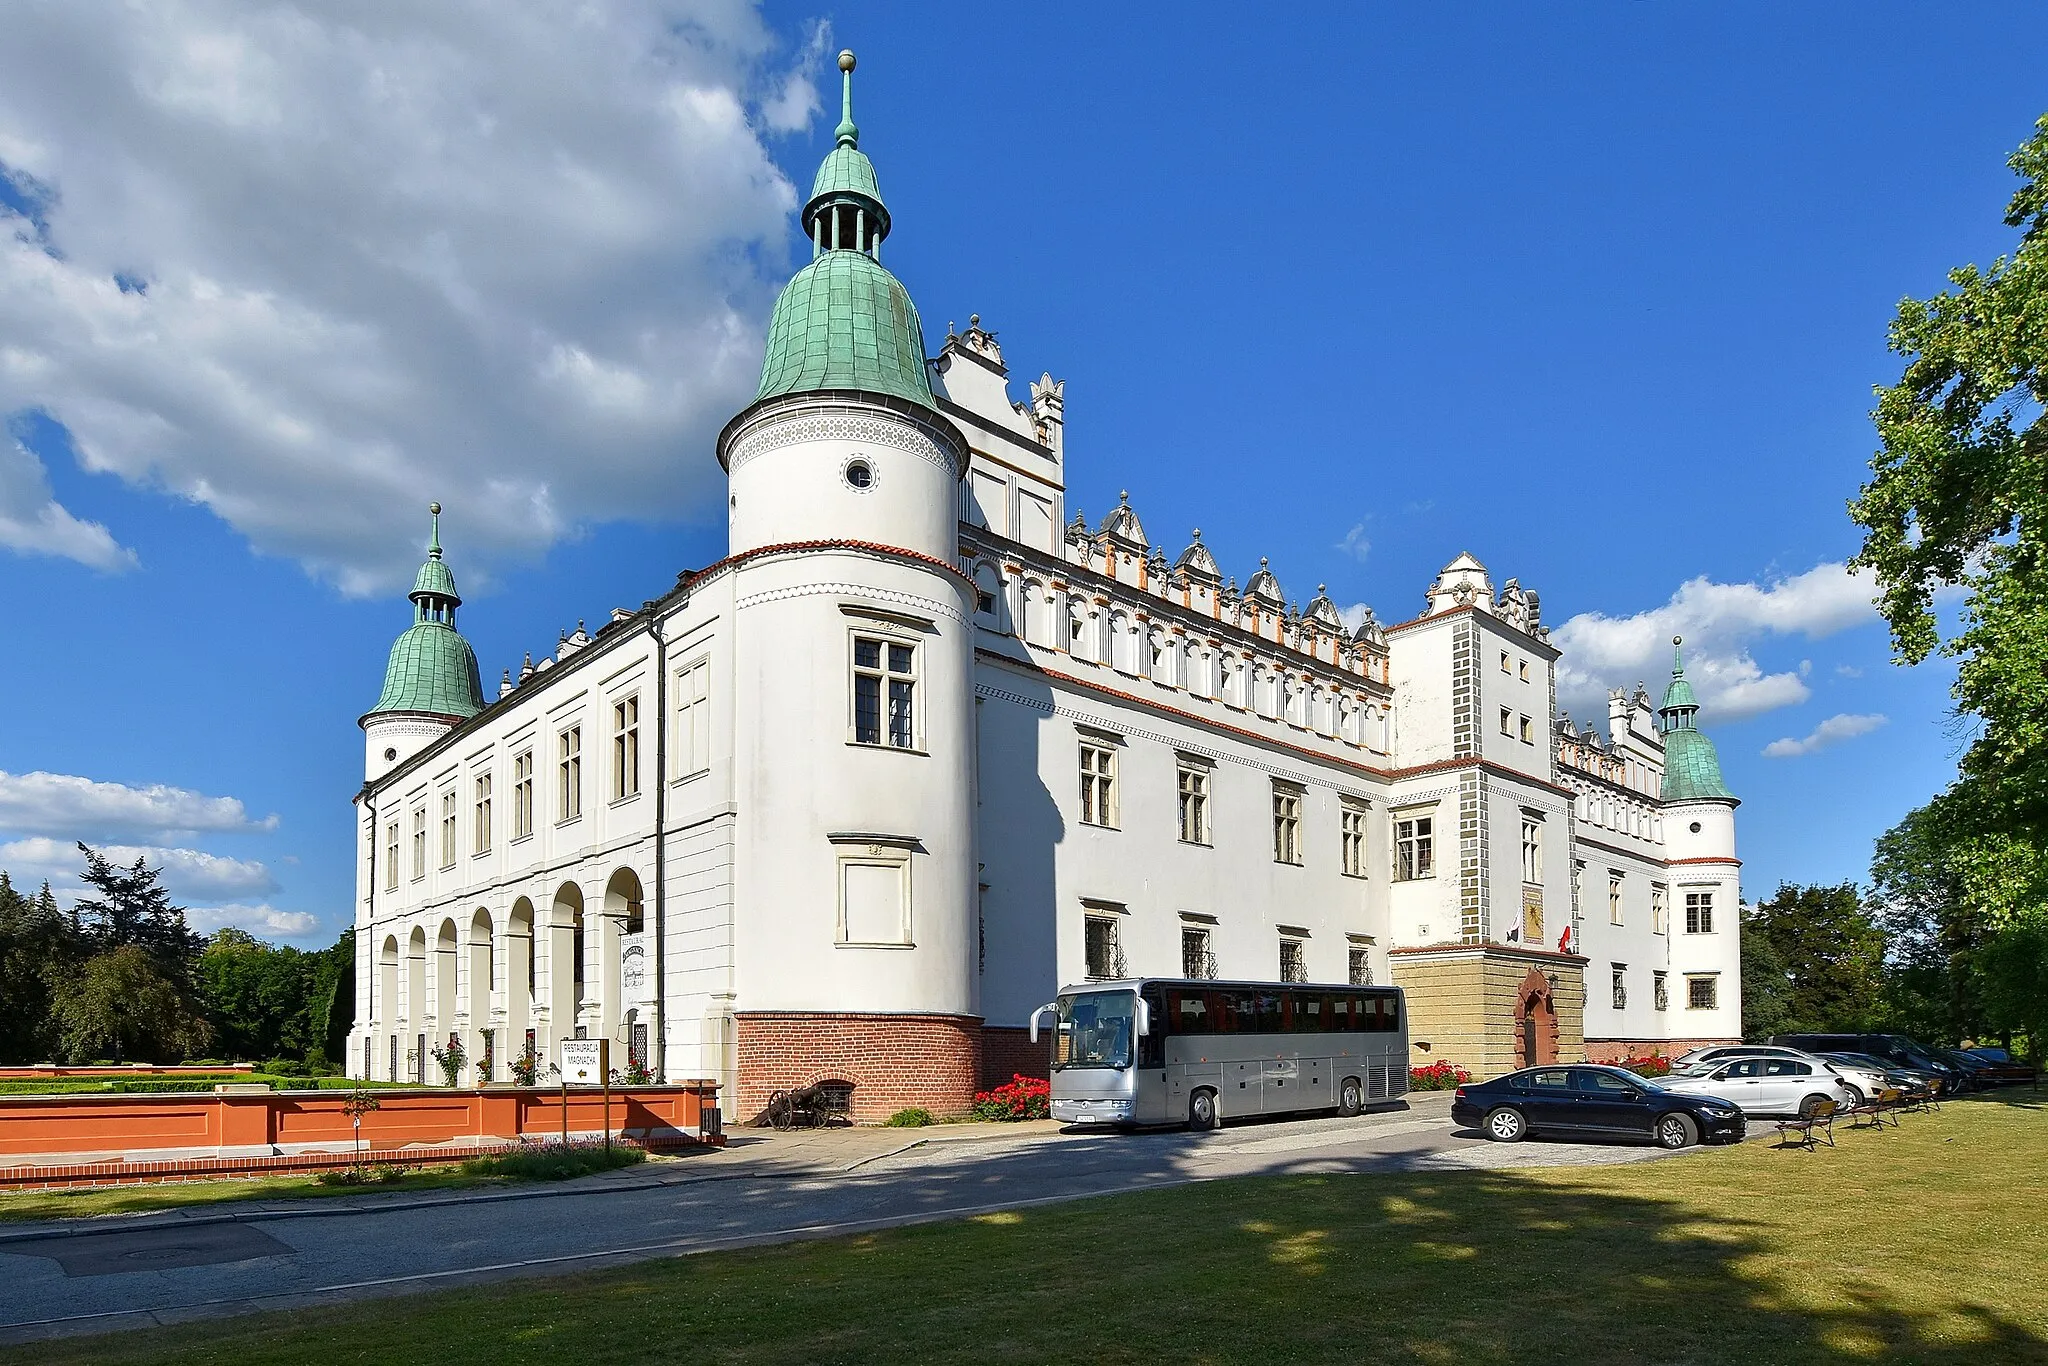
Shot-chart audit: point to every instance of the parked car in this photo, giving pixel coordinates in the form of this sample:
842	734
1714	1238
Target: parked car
1888	1047
1863	1081
1988	1072
1769	1086
1591	1101
1994	1054
1895	1074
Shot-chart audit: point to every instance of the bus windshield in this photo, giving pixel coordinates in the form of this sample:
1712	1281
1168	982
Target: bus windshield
1095	1029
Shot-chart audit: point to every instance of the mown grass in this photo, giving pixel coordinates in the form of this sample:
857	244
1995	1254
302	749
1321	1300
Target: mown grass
1924	1244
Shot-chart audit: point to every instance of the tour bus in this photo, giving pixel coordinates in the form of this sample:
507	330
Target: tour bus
1154	1051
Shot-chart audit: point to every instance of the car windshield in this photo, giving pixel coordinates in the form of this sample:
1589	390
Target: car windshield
1094	1029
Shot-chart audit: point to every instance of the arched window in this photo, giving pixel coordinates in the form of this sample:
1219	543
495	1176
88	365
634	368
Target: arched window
1037	605
988	595
1123	643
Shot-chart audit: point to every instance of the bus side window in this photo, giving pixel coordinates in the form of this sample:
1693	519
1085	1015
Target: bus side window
1390	1013
1340	1014
1189	1013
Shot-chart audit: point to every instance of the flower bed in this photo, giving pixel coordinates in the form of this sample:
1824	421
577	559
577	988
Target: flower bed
1650	1065
1021	1097
1438	1076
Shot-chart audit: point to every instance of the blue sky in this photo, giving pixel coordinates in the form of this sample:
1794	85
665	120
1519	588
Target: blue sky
1598	295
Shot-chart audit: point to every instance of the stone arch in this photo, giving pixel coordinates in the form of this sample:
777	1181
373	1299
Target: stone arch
988	580
1535	1024
568	939
447	954
625	914
519	972
1037	605
387	982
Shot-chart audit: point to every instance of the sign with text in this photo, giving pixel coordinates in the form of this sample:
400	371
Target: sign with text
583	1061
636	970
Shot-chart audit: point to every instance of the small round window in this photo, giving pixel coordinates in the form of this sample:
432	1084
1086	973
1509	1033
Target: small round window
1694	827
860	475
390	754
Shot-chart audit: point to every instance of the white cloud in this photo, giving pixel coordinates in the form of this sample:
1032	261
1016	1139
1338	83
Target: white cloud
187	873
1847	671
1844	726
1354	543
264	922
1721	622
65	804
33	522
312	265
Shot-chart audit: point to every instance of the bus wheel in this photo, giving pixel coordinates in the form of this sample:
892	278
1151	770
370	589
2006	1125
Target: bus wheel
1351	1099
1202	1112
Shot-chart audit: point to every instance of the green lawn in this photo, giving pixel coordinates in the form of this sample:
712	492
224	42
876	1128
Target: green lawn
1925	1244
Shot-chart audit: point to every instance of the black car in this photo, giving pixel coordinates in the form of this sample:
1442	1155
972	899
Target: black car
1589	1101
1890	1047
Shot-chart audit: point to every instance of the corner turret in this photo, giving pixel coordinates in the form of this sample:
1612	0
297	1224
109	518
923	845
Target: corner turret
431	683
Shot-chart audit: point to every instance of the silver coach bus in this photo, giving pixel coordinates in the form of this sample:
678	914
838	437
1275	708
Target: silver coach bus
1153	1051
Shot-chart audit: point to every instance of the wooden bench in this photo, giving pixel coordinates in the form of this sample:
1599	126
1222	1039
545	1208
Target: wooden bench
1871	1114
1804	1131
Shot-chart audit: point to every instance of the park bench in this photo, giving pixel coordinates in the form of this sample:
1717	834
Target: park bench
1871	1114
1804	1131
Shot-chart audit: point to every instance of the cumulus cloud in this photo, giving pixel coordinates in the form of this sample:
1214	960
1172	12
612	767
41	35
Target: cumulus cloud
1721	622
82	808
263	921
1843	726
310	265
1355	543
187	873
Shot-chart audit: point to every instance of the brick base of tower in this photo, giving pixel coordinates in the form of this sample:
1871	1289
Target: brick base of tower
893	1061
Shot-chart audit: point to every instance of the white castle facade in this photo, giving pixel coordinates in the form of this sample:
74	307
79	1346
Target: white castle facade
925	746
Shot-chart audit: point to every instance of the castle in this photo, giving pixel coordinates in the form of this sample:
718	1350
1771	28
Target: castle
926	746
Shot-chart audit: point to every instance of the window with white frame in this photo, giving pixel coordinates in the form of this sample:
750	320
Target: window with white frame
1621	986
391	856
419	842
480	834
448	828
1193	781
1507	722
884	692
1351	836
569	774
1098	784
626	747
1703	992
522	794
1532	850
1527	730
1524	664
1660	910
693	718
1101	948
1293	960
1286	823
1359	964
874	897
1196	960
1414	848
1699	912
1613	897
1660	991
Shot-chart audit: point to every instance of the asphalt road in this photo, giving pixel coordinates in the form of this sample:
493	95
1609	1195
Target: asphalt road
109	1274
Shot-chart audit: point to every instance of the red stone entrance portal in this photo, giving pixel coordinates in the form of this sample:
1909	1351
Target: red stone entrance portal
1535	1022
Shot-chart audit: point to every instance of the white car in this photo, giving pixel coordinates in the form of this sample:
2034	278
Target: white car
1863	1082
1765	1085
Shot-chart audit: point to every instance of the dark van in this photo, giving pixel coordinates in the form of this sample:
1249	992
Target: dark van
1891	1047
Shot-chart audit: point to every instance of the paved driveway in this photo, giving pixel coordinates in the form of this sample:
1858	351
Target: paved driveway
130	1271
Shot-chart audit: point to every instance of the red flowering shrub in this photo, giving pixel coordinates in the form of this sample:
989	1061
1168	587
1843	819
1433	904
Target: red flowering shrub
1651	1065
1021	1097
1438	1076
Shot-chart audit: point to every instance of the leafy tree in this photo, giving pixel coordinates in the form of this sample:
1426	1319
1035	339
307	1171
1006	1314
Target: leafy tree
34	950
1935	931
129	907
1766	988
1833	955
267	1001
120	1004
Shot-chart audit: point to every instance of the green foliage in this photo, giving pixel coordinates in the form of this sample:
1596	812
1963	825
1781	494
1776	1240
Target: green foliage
915	1117
1766	988
277	1002
555	1161
121	1002
1831	953
128	908
34	953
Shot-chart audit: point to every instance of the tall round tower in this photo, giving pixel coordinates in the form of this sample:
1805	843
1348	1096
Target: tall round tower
1699	832
430	682
854	865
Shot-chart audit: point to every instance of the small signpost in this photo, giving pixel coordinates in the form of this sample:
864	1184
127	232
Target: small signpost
587	1062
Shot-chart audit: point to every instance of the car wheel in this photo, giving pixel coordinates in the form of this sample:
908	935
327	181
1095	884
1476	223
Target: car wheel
1811	1105
1677	1131
1506	1125
1856	1095
1351	1098
1202	1112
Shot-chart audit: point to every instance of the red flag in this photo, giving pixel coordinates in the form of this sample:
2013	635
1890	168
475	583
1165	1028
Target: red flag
1564	941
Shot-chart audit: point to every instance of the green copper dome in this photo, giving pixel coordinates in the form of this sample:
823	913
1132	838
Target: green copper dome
1692	768
432	669
845	322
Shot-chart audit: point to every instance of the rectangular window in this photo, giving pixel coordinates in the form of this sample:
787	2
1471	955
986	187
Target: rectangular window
1527	730
1360	963
1351	827
693	718
1702	993
448	829
1525	670
522	795
1613	898
884	693
1104	954
1620	986
1414	848
1195	959
1532	851
874	900
391	857
1699	912
1504	661
625	747
1194	804
569	774
480	837
1098	784
1293	962
1286	824
1507	721
1660	991
419	842
1660	910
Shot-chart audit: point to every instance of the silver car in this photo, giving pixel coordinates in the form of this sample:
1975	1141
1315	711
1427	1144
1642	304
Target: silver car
1863	1082
1766	1085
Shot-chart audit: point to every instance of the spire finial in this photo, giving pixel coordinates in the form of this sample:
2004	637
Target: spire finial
848	132
434	546
1677	659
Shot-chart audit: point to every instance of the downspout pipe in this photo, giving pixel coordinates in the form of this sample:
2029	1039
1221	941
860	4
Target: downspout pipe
657	627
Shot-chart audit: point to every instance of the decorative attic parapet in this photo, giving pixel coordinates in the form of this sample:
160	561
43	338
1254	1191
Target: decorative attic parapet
1198	565
1049	410
1265	587
1122	526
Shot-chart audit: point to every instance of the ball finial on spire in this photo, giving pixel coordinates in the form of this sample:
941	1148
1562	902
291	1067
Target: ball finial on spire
846	59
434	508
1678	640
847	134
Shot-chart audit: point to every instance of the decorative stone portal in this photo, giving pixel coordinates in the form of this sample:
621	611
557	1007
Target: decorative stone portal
1489	1007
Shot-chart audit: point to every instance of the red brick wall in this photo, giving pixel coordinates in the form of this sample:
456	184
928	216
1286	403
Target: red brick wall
1614	1050
893	1061
1007	1051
